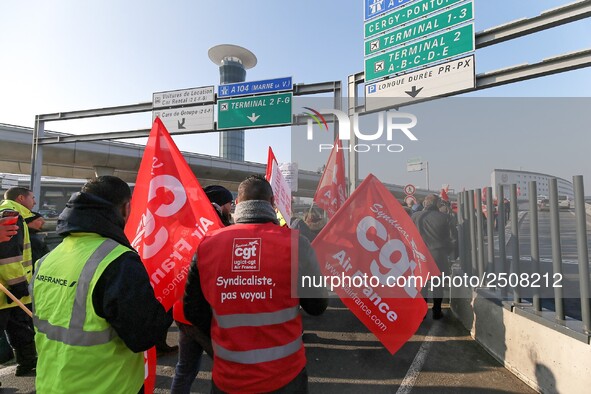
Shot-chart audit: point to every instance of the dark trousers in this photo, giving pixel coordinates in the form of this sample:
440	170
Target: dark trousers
189	361
441	259
18	326
298	385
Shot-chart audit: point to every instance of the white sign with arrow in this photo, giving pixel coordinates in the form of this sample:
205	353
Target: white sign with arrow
253	118
186	119
443	79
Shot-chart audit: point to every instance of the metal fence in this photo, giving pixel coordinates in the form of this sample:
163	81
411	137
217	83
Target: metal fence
490	248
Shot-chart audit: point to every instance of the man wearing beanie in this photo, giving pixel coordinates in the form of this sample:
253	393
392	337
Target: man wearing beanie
221	198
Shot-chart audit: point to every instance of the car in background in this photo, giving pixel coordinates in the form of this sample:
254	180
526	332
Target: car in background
544	205
564	202
48	213
541	197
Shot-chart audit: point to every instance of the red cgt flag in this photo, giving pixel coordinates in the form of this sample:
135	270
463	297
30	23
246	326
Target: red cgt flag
170	213
331	192
372	246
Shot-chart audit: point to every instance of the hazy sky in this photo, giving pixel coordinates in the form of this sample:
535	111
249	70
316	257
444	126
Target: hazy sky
68	55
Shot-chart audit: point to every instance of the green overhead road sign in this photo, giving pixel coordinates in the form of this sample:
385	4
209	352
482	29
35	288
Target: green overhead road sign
255	111
435	48
433	24
406	14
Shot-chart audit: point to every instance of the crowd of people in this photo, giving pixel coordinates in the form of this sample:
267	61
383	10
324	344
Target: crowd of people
93	303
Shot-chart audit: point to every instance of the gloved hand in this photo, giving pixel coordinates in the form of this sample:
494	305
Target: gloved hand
19	290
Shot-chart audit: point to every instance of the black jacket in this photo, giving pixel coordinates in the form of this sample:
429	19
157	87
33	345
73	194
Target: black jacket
13	249
436	228
123	295
38	246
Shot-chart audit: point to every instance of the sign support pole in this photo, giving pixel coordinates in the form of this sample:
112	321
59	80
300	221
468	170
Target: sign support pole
427	173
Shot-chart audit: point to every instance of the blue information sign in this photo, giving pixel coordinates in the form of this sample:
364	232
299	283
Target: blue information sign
377	7
254	87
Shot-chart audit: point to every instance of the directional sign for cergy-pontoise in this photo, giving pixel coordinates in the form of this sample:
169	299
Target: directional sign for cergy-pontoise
450	18
377	7
420	53
404	15
193	96
186	119
443	79
255	87
256	111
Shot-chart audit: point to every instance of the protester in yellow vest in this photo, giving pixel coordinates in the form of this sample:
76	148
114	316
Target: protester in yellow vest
95	311
15	274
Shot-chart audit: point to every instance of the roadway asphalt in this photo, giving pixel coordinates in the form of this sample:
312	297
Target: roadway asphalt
344	357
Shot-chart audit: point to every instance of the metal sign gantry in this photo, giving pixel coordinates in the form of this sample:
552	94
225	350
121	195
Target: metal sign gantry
549	19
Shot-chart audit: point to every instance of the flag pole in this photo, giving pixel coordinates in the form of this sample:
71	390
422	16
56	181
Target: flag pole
16	300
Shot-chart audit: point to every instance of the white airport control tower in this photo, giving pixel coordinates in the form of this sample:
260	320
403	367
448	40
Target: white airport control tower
233	61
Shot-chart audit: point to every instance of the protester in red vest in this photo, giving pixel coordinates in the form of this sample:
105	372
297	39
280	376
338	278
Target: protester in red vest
240	292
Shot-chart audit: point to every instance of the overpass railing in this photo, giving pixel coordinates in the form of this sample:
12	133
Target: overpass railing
553	291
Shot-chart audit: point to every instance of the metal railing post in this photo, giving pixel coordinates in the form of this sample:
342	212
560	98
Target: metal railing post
515	242
502	263
534	240
490	226
556	249
473	256
460	213
466	233
583	253
479	234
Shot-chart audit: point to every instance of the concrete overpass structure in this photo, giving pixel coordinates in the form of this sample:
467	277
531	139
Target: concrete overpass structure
84	159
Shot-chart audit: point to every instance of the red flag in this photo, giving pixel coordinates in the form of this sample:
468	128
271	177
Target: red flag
331	192
149	370
372	241
444	195
170	213
281	189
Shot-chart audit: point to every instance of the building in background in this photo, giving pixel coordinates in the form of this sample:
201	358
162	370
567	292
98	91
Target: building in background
522	180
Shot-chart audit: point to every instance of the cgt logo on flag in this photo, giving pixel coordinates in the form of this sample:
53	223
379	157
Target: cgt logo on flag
246	255
375	251
169	217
